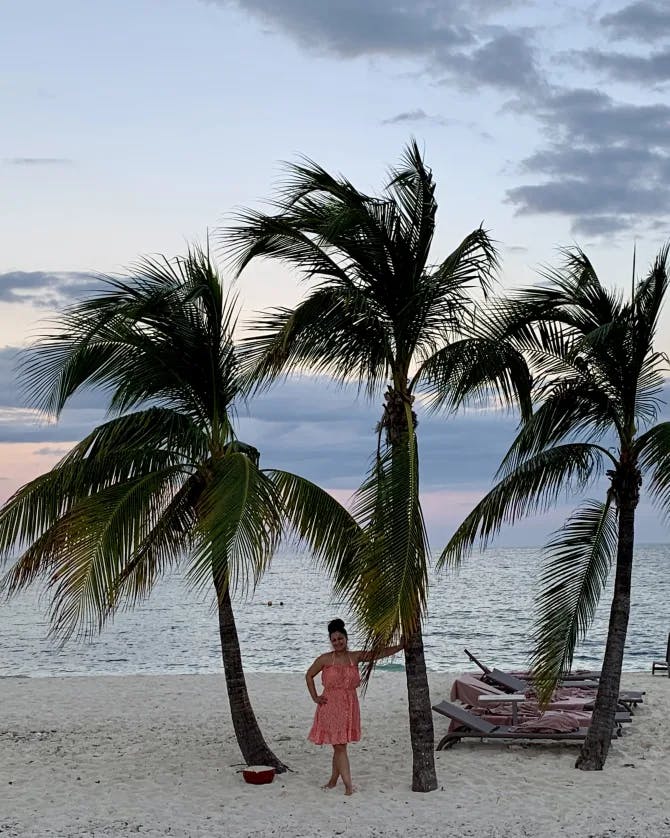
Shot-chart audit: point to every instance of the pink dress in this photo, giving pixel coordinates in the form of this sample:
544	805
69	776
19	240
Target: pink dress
339	720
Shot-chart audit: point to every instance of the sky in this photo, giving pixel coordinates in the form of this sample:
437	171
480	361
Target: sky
136	126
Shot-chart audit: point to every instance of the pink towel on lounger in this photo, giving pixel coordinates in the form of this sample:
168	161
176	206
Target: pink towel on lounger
550	723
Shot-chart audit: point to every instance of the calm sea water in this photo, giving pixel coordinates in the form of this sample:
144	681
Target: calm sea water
486	606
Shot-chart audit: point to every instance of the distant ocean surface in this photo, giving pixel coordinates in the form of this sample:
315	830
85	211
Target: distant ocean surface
486	606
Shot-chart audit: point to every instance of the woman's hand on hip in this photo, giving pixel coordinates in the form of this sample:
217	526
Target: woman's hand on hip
321	699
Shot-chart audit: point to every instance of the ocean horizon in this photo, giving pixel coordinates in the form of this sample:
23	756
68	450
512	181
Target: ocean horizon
485	606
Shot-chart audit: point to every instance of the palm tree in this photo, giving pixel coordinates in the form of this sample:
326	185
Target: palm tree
598	380
165	480
379	314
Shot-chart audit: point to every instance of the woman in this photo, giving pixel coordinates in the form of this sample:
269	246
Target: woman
337	720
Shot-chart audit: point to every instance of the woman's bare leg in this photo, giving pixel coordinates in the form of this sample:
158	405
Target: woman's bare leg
342	759
335	774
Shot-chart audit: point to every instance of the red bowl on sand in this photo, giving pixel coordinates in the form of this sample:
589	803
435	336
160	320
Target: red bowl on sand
257	775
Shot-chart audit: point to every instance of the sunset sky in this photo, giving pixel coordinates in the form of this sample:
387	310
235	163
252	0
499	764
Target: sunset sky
135	126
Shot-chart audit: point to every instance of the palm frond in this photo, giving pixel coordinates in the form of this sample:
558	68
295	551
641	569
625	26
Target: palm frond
649	298
119	450
438	306
332	534
324	227
577	563
83	553
653	452
148	338
474	263
573	409
532	486
376	305
239	523
264	236
329	332
169	540
394	583
651	379
476	370
571	303
413	189
646	366
579	298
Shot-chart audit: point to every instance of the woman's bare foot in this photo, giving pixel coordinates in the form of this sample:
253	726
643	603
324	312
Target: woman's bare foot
330	784
349	790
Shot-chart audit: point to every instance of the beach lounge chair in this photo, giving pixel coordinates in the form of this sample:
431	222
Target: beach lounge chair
627	698
476	727
470	691
663	665
515	684
568	679
483	668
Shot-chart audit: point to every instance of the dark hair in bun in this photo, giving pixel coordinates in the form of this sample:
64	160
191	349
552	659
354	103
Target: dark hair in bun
337	625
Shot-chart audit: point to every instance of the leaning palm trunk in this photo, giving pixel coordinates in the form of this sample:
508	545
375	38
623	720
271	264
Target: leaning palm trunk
420	715
596	745
255	750
166	478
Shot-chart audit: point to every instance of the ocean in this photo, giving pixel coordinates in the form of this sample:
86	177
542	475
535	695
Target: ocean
485	606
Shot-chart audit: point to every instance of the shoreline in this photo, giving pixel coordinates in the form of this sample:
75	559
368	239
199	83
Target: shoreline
258	673
155	755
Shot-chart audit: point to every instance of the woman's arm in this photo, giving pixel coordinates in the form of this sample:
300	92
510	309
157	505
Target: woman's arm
380	653
311	673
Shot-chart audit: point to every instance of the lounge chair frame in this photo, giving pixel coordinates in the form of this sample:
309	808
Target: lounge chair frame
569	678
476	727
503	680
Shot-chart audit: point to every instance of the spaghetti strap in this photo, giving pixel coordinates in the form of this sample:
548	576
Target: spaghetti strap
351	663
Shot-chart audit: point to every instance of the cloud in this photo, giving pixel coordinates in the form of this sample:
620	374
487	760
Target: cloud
606	166
349	28
25	426
19	423
603	225
307	425
46	289
490	47
328	434
9	357
324	433
449	39
38	161
417	115
13	415
644	20
506	61
620	66
593	119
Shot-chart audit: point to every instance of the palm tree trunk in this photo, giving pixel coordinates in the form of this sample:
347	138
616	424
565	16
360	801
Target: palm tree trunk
596	745
420	715
255	750
424	778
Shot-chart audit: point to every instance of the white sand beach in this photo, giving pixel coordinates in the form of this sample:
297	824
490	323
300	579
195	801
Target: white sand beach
155	755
